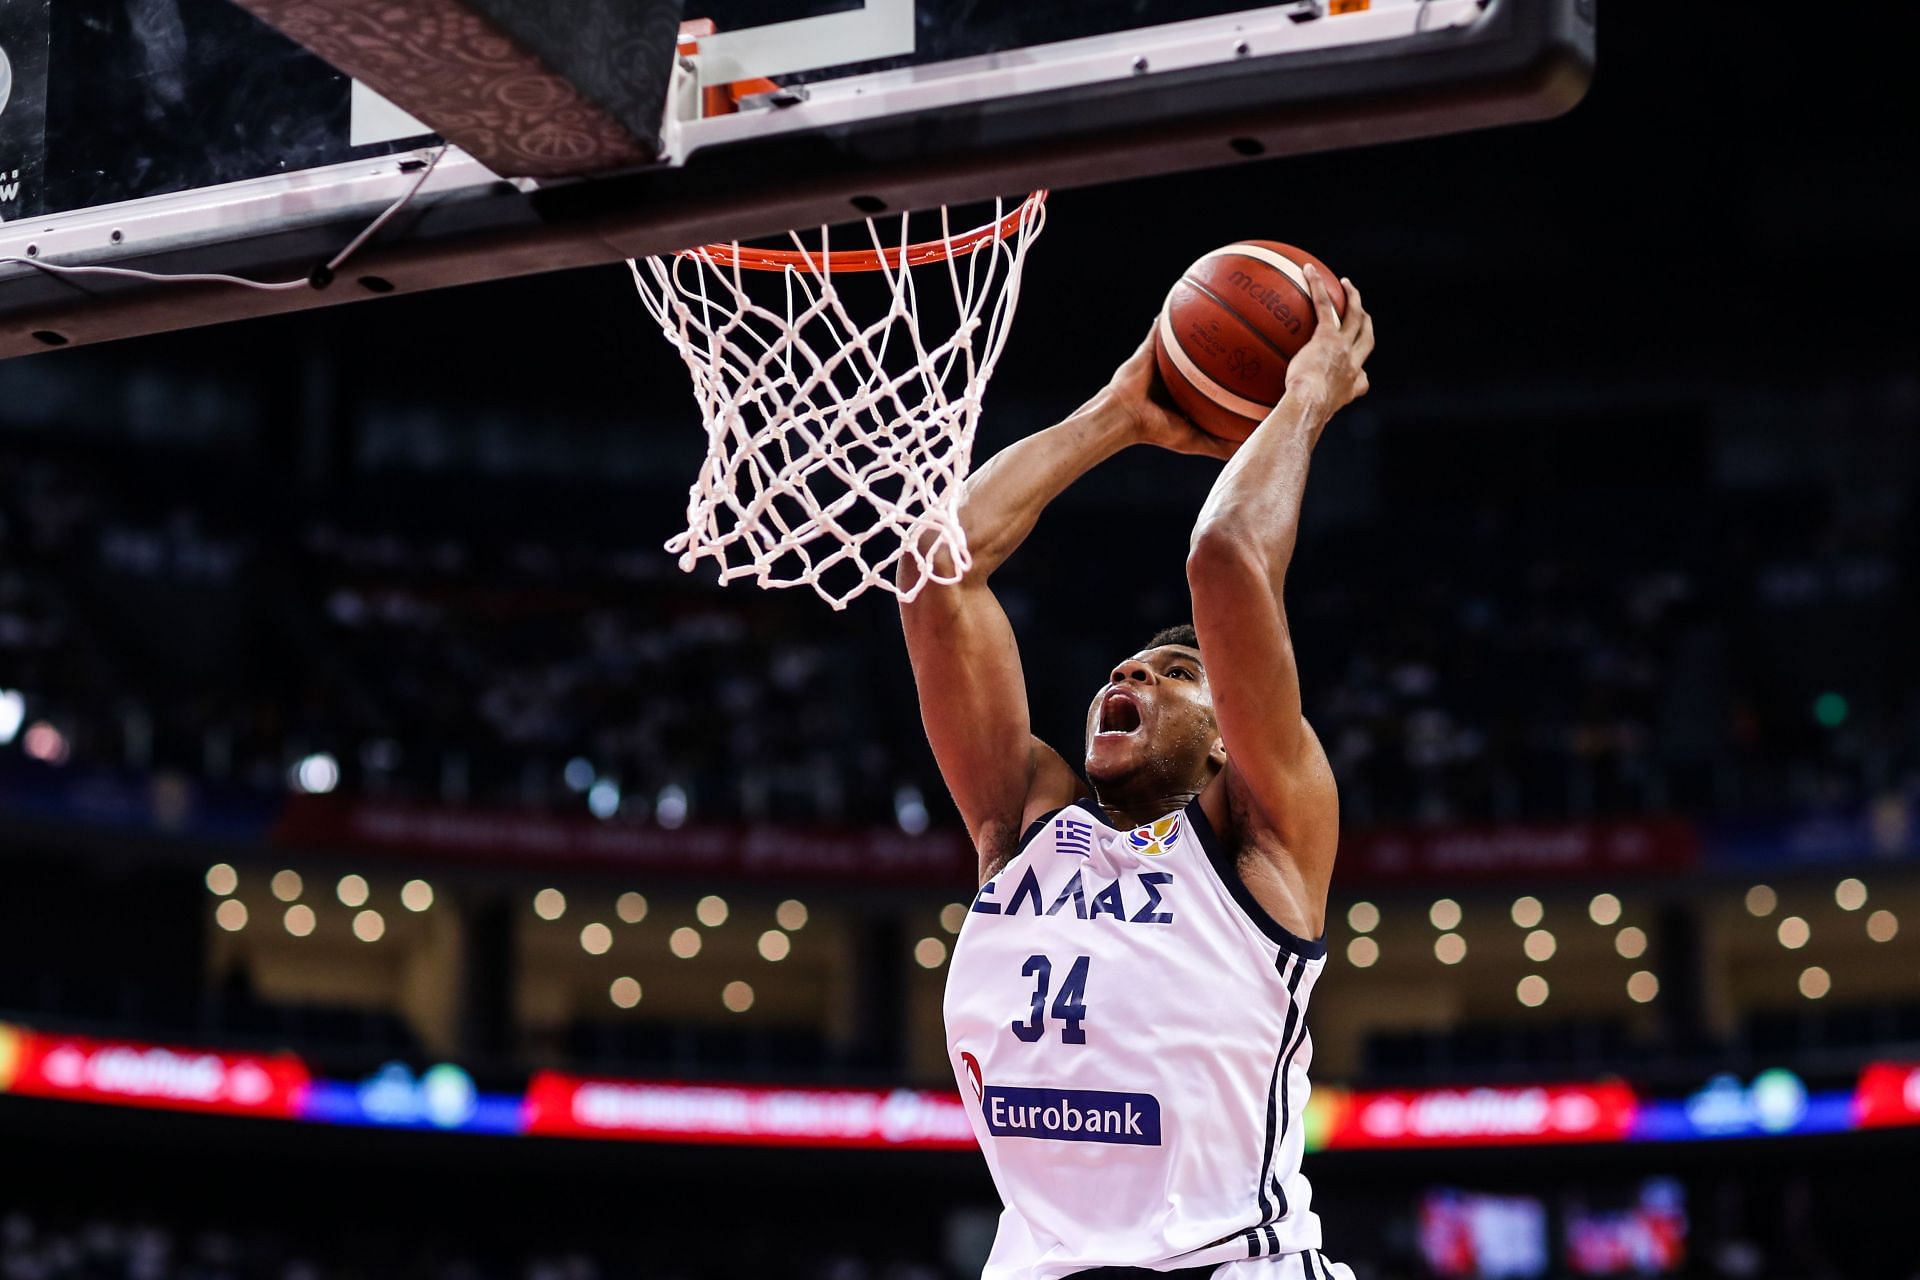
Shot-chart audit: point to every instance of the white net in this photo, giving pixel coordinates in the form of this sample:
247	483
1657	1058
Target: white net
838	446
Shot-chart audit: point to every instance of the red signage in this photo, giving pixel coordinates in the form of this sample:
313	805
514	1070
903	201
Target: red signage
1503	853
1889	1094
1491	1116
941	857
567	1106
145	1075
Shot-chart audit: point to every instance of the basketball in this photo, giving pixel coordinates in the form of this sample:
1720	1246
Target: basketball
1228	329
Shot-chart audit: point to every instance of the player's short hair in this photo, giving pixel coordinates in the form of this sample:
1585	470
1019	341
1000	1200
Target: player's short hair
1181	634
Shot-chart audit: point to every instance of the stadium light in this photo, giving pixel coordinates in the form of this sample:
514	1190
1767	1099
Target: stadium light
1882	925
603	798
13	711
910	809
1850	894
671	806
316	774
45	743
578	774
299	920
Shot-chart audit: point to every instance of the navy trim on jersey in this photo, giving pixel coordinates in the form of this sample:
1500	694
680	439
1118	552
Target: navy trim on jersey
1286	1069
1229	875
1276	1123
1038	825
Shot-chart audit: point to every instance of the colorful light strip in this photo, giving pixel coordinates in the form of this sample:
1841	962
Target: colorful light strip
897	1119
1475	1117
1889	1094
135	1074
129	1073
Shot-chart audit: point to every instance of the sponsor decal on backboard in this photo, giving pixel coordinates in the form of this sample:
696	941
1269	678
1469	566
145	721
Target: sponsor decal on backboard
23	105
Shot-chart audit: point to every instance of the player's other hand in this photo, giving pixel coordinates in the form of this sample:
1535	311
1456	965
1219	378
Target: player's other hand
1133	392
1332	366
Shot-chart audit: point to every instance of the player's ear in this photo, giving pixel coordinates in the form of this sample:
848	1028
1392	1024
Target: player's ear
1217	755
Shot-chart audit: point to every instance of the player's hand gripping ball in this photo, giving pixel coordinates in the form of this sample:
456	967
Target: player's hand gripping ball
1228	329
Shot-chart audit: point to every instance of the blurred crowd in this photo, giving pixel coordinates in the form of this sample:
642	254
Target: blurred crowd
98	1246
55	1247
1463	662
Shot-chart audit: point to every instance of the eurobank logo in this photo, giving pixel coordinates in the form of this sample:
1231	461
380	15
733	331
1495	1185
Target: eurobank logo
1073	1115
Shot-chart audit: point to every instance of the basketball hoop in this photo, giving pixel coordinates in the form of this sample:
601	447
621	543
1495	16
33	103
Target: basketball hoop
836	447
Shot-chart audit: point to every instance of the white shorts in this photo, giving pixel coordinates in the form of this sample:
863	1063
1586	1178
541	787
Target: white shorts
1312	1265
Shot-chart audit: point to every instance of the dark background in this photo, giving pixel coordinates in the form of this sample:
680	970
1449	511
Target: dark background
1670	333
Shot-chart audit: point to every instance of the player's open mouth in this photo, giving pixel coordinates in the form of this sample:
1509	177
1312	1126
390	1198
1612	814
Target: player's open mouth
1119	714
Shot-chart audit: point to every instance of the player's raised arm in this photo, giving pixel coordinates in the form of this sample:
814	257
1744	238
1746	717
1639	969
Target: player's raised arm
966	664
1237	569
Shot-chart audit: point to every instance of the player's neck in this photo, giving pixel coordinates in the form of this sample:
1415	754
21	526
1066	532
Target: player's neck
1127	808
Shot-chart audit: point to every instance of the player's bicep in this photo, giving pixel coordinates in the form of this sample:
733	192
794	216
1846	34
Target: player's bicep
1248	652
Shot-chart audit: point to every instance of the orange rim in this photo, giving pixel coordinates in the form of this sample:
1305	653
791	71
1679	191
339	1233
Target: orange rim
838	260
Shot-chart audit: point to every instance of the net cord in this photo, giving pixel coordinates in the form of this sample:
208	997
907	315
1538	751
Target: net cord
836	447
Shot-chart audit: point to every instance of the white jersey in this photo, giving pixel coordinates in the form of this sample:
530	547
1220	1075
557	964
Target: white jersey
1128	1028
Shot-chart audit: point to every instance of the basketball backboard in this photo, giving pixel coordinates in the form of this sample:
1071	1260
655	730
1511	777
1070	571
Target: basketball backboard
192	136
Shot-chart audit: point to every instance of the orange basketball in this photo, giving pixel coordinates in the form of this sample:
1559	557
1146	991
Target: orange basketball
1230	326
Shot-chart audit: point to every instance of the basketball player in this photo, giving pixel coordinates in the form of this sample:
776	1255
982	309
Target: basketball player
1126	1006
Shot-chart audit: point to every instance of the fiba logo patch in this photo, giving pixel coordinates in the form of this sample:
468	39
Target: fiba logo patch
1157	837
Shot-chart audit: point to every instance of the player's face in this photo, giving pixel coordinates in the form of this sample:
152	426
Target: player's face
1155	713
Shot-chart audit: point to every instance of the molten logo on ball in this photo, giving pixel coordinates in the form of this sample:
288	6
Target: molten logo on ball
1268	297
